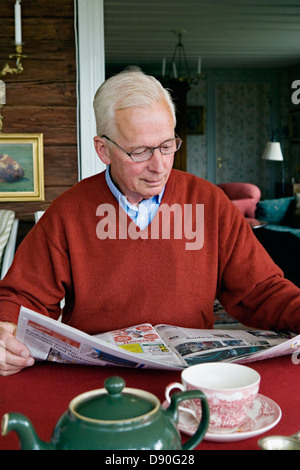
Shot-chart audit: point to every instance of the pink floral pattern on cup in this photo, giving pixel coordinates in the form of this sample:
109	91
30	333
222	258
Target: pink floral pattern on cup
226	411
229	388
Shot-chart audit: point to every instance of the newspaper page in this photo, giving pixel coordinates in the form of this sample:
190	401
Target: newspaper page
50	340
197	346
144	346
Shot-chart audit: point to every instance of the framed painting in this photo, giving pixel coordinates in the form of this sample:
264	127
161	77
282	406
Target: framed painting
195	120
21	167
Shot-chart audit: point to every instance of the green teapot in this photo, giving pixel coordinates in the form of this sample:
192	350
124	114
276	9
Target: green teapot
113	418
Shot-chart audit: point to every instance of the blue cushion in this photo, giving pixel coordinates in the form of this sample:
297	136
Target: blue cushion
274	211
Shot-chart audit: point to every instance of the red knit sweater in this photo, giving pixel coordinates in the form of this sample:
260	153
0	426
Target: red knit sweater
112	283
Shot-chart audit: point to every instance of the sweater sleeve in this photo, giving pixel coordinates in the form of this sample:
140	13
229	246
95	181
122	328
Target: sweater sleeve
252	287
36	279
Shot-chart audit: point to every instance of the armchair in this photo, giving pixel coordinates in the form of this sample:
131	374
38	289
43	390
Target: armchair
244	196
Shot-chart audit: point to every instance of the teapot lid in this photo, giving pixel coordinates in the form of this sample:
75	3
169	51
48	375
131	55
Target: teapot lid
114	403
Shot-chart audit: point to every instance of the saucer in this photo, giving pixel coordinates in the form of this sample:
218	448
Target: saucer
263	415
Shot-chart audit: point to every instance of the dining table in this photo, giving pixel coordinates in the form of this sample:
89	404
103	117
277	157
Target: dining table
43	392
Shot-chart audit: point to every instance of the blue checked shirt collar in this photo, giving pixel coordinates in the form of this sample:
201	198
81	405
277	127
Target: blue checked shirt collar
142	214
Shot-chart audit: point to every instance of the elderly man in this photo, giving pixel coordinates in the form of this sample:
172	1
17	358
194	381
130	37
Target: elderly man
141	242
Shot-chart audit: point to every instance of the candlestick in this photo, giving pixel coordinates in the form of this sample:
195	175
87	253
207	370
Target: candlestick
18	27
19	67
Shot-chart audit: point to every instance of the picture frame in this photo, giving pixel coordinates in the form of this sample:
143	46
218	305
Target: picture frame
21	167
195	120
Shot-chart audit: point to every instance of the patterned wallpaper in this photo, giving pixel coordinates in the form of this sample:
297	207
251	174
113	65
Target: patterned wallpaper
242	128
196	144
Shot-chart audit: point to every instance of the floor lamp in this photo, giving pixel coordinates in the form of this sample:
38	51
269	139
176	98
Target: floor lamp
273	153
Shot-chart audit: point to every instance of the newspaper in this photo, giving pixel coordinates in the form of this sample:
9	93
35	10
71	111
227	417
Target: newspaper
146	346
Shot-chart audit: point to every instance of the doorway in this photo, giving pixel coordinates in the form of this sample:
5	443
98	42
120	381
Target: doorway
242	110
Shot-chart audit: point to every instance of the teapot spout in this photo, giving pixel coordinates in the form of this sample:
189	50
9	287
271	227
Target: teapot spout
23	427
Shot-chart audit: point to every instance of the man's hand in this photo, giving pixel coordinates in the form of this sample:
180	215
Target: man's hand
14	355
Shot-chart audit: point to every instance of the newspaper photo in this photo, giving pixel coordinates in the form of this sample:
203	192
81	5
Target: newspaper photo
147	346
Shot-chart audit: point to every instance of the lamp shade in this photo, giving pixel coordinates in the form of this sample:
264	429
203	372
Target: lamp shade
273	152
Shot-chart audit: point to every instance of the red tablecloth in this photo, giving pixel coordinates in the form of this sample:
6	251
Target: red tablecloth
44	391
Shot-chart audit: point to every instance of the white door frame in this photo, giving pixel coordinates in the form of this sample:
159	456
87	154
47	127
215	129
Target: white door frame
90	56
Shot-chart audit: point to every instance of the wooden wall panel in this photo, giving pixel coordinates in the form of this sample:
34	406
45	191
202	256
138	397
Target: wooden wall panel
42	99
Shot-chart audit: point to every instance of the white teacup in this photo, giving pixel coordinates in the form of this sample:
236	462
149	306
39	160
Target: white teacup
229	388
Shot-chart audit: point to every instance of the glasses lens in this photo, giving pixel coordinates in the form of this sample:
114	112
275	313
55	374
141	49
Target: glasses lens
178	143
170	146
145	153
141	154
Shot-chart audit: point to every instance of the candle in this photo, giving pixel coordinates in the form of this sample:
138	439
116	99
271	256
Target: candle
174	70
199	66
163	72
2	93
18	29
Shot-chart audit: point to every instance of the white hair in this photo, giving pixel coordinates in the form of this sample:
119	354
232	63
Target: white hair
132	87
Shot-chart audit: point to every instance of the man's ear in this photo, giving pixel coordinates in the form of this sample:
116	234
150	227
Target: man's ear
100	145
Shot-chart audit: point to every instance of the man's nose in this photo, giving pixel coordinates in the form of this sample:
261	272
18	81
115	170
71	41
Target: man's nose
156	161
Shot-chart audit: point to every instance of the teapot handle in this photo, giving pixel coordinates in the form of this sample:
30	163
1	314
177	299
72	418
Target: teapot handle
178	397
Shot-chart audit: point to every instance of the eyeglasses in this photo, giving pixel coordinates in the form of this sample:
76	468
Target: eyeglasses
141	154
